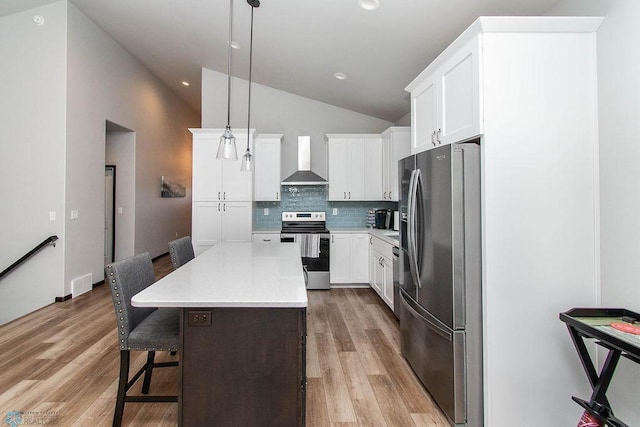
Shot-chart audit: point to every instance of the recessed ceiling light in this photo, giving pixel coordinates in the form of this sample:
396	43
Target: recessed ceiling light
185	83
340	76
235	45
369	4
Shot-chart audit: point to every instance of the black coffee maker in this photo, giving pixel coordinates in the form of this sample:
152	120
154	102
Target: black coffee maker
384	218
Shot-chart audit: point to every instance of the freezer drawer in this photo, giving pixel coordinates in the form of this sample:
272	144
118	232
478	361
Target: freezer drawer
436	355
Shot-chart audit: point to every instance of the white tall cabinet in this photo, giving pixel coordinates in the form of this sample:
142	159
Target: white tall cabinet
528	86
222	195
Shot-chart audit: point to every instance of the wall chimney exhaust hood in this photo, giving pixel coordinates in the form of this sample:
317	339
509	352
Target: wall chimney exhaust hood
304	175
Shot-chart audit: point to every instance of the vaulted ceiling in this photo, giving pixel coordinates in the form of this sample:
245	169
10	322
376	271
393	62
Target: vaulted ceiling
298	44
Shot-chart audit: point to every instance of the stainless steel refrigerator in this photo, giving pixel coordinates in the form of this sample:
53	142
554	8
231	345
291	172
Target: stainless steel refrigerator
440	276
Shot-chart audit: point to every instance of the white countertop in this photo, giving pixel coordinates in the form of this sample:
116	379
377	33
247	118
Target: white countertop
233	275
389	236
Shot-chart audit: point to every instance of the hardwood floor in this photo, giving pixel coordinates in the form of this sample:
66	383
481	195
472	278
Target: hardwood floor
60	364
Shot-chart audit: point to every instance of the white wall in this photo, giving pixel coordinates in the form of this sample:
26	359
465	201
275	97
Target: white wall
619	129
106	83
32	143
60	83
275	111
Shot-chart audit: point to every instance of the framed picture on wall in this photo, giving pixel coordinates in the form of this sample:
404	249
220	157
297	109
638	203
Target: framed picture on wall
172	188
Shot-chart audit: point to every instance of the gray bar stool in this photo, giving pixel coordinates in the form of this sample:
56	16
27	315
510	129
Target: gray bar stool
139	329
181	251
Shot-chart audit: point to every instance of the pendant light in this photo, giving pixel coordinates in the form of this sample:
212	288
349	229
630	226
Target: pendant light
227	147
247	158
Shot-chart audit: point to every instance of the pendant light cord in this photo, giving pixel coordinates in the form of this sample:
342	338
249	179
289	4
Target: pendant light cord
250	63
229	64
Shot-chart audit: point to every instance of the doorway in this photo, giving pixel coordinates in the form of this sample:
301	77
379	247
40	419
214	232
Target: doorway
109	213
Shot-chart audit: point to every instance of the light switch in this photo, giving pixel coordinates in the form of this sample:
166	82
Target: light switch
266	211
52	215
74	214
119	209
335	211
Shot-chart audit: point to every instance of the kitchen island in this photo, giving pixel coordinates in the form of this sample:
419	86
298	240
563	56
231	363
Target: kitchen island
243	332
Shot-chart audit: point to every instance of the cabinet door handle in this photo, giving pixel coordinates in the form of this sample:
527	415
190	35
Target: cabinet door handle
331	239
266	240
370	240
349	195
277	195
344	194
438	136
224	195
218	207
224	207
218	195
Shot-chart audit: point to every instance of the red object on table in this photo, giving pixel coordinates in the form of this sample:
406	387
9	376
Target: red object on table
588	420
626	327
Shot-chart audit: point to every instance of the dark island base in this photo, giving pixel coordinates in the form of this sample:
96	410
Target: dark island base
243	367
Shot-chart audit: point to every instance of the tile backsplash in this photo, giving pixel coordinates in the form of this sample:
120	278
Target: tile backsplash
314	198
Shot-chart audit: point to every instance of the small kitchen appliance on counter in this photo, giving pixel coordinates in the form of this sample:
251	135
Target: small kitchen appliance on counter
384	219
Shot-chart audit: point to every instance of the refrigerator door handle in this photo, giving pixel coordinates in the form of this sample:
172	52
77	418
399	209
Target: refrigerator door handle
411	232
411	223
430	322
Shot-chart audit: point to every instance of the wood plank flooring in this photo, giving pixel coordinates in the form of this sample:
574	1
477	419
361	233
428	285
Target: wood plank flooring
60	364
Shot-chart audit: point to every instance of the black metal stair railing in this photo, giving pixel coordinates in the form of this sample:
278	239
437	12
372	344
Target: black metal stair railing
51	240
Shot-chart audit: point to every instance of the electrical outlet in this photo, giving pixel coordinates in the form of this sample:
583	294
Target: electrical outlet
120	210
199	318
52	215
266	212
335	211
74	214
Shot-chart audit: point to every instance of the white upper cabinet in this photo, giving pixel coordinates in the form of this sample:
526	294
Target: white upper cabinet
396	145
219	180
355	164
267	167
445	98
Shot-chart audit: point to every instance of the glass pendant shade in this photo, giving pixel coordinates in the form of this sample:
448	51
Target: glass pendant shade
227	147
247	162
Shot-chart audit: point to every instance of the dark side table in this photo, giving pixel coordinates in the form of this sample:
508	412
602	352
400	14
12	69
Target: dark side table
595	323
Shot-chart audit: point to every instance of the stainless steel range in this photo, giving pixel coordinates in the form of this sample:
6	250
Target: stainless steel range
309	230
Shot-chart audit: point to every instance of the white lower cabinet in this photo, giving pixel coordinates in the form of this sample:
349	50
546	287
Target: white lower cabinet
381	269
215	222
349	258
